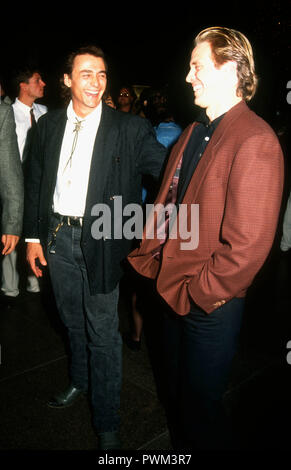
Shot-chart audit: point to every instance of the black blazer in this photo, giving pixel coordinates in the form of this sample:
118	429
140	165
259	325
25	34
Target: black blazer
125	149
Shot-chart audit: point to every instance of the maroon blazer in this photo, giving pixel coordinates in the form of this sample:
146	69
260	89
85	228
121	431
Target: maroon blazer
238	185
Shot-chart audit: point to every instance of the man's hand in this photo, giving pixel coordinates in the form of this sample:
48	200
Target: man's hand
9	242
34	252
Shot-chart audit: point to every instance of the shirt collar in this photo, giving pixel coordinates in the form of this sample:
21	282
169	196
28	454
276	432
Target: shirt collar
23	106
204	119
93	117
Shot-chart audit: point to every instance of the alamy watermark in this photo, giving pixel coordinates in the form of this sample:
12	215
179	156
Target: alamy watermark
162	222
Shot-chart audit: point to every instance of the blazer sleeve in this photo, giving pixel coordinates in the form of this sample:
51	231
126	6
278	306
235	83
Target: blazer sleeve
11	177
249	224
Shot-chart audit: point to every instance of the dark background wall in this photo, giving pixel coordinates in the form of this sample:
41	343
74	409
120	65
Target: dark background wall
146	44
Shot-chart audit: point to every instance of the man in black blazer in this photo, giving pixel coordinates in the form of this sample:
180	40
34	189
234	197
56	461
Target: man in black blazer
83	158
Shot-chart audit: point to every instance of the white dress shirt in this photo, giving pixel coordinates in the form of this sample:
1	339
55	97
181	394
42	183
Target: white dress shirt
23	120
72	180
73	174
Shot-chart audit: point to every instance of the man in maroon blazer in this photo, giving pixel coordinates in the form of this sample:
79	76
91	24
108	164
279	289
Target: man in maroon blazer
224	182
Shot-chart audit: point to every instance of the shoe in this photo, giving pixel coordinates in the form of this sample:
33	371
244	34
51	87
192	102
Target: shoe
131	343
109	440
66	398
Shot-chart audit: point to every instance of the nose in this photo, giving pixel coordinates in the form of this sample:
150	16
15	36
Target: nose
95	81
189	76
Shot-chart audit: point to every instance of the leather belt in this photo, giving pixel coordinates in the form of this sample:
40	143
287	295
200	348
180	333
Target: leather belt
69	219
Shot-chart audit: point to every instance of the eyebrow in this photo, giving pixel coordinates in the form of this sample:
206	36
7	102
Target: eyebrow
91	71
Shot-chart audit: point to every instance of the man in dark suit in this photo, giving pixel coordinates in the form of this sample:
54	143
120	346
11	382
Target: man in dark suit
229	165
89	154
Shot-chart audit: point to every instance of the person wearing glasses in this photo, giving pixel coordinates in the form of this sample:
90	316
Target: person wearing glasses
126	99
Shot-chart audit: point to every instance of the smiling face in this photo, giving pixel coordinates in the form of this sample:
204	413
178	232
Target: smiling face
87	83
214	87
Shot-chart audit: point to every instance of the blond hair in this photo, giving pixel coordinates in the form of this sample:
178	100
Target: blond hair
231	45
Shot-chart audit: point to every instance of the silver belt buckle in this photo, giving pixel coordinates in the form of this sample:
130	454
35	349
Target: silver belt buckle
74	218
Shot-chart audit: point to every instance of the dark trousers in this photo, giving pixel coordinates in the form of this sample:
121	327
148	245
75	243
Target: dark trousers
92	324
198	350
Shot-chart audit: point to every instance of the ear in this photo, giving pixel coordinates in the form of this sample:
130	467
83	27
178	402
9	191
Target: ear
230	66
22	86
230	69
67	80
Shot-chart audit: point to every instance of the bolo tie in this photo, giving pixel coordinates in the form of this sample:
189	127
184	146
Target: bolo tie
76	130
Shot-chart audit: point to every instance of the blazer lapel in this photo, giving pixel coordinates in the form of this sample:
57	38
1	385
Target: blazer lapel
56	132
176	154
101	163
209	154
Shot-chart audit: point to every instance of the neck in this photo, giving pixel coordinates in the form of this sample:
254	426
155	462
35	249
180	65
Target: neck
82	112
217	110
125	108
28	100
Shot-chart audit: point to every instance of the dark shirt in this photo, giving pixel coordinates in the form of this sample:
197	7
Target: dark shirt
194	150
196	146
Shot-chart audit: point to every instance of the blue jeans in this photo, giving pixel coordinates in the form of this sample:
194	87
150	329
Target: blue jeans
92	324
198	351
